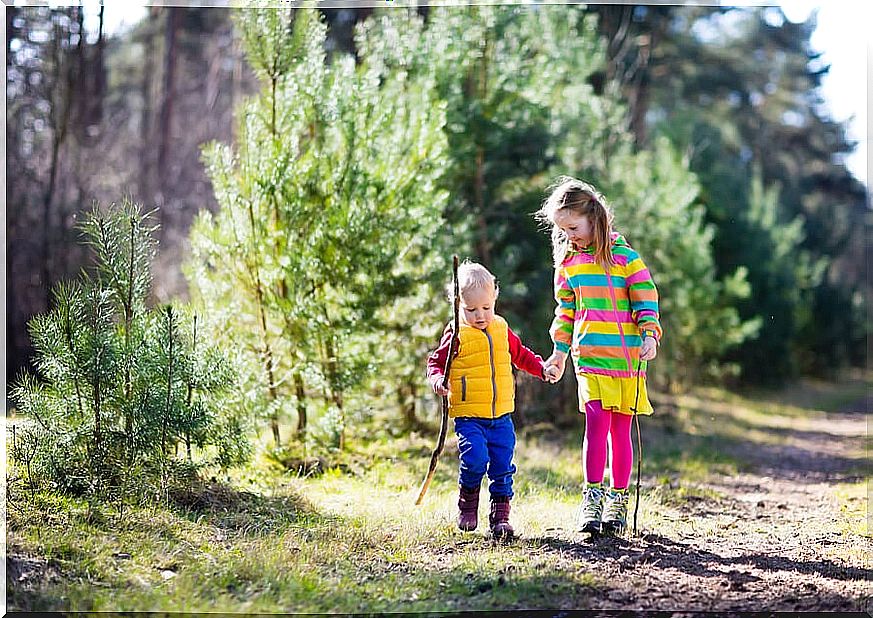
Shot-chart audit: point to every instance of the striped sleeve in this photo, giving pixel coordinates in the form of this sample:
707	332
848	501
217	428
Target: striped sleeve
565	312
643	295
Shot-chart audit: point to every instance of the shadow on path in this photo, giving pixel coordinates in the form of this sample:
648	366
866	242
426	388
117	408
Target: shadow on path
656	549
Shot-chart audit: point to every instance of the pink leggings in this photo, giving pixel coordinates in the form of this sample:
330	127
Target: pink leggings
599	424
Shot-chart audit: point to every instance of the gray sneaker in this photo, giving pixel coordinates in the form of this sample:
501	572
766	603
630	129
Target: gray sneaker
615	512
591	509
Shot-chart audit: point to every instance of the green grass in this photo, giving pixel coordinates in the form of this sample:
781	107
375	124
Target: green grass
162	560
854	517
351	540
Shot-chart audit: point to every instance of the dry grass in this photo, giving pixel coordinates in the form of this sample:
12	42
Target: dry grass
351	540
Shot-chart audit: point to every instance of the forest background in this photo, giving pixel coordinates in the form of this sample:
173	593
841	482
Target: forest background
704	127
309	175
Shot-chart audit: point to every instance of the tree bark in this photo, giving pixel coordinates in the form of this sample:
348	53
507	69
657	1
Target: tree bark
59	119
301	405
169	94
146	138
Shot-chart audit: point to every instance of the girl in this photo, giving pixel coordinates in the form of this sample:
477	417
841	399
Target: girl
482	396
607	317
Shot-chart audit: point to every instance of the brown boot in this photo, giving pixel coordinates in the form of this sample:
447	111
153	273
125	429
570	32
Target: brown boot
468	504
499	518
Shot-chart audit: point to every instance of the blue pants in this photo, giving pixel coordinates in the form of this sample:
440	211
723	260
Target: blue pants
486	445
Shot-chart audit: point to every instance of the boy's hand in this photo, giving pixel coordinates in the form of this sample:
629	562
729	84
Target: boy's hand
552	374
554	367
440	390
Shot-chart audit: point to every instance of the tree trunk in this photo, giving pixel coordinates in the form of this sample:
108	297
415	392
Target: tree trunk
146	141
406	393
483	247
336	393
169	94
98	76
59	121
301	405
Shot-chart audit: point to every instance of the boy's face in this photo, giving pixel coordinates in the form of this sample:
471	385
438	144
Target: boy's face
576	226
477	307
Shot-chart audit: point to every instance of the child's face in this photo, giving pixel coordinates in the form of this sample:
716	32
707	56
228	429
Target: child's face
477	307
576	226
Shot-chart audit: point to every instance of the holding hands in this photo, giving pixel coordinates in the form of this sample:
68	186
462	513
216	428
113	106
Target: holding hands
553	368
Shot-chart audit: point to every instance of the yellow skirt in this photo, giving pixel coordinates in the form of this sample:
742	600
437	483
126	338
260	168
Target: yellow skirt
616	394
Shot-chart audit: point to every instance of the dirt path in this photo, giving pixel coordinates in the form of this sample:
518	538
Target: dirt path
778	538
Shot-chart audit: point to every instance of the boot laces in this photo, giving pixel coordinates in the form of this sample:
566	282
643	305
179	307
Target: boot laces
592	503
616	506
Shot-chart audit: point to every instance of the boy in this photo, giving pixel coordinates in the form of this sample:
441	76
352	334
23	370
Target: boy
481	396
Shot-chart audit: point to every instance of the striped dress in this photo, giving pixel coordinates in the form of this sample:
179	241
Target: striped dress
599	319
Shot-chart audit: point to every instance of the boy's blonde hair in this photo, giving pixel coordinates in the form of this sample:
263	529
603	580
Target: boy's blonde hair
581	198
472	276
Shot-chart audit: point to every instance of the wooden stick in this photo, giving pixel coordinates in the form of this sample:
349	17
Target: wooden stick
444	420
639	445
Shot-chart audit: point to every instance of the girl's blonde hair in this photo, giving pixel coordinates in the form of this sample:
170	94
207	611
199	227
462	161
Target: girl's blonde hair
583	199
472	275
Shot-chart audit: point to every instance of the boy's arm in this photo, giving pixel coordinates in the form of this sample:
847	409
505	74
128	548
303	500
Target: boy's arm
643	297
436	361
524	358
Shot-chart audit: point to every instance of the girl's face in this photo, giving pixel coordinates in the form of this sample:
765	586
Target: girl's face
477	306
576	226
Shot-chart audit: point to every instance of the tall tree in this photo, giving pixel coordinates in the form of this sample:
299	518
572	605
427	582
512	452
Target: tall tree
168	92
329	197
44	52
111	142
760	105
522	110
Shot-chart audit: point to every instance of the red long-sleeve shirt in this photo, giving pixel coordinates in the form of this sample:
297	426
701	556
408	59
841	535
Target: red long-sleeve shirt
522	357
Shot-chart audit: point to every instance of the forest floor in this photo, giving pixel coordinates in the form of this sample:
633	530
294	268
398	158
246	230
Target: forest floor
752	502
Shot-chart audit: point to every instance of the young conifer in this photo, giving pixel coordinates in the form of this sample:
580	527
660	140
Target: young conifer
118	386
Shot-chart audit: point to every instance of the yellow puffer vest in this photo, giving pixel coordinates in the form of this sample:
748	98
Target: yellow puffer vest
481	376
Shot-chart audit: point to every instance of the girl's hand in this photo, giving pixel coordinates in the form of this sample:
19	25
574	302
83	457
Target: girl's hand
649	349
440	390
551	374
554	367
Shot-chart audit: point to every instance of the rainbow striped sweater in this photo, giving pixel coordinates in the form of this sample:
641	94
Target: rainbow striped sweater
600	318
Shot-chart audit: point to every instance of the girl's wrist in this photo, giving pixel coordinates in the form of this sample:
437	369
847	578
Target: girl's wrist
560	353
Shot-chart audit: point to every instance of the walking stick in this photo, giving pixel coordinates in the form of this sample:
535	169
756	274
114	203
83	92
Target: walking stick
444	420
639	444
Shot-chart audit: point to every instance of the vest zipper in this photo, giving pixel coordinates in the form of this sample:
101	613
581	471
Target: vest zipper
493	375
618	323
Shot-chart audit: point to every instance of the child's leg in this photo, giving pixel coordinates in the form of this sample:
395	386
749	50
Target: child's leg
501	447
473	455
622	449
597	423
472	452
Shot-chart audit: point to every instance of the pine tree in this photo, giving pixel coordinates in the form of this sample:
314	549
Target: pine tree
116	382
758	106
521	111
327	200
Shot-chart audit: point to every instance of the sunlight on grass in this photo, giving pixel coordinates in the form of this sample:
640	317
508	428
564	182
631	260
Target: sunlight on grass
853	501
350	539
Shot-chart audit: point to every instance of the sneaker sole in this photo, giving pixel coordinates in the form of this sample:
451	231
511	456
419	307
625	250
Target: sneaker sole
592	528
613	529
